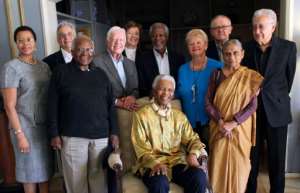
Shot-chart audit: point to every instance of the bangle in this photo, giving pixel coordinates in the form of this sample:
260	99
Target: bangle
18	131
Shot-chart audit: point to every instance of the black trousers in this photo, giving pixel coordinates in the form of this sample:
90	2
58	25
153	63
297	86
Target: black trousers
193	180
276	150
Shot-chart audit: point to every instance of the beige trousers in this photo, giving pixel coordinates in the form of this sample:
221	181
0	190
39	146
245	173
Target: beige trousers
82	165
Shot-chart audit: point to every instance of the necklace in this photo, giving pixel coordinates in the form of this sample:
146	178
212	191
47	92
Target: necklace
33	62
196	77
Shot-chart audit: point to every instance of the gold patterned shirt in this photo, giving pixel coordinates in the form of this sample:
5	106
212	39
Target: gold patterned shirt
165	139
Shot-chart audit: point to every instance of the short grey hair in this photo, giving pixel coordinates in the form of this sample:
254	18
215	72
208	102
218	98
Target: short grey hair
80	38
218	16
235	42
163	77
266	12
68	24
114	29
159	25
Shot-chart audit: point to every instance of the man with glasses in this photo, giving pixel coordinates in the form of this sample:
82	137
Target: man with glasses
65	35
275	59
220	30
82	119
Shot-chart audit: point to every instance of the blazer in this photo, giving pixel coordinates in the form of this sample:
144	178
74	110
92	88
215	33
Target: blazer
278	79
54	60
147	68
212	51
105	62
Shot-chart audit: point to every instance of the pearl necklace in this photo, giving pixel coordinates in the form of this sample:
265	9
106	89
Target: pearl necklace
34	61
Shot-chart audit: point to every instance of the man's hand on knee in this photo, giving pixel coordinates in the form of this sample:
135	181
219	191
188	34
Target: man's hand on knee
159	169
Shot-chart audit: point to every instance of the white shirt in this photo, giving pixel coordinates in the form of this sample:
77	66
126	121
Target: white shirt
130	53
67	55
162	62
120	69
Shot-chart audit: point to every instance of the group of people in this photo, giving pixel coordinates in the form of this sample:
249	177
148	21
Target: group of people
233	98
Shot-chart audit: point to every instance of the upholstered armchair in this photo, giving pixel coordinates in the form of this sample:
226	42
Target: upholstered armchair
130	183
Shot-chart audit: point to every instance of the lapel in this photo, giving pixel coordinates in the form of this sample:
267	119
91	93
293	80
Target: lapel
272	57
155	65
171	61
60	58
126	70
112	69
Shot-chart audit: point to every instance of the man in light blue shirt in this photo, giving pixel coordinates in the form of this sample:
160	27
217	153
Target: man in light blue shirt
120	70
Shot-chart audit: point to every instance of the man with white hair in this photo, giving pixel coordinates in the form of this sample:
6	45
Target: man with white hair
159	60
165	144
65	35
120	70
220	30
82	119
275	59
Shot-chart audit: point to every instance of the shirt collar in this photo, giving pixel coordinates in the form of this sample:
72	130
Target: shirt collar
67	55
114	60
156	53
130	49
270	44
161	112
76	65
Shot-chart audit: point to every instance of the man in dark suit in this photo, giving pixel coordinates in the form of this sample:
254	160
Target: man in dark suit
159	60
275	59
120	70
220	30
65	35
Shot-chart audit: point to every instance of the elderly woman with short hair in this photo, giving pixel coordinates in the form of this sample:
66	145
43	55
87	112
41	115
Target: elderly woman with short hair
231	104
193	78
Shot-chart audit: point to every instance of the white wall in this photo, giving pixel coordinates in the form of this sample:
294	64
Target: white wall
291	15
5	53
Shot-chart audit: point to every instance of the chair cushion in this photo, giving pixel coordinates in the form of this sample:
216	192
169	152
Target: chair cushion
132	184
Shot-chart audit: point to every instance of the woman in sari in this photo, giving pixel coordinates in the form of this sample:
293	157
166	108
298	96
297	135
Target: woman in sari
231	102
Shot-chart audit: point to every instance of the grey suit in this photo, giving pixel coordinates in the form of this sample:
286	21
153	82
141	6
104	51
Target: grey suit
105	62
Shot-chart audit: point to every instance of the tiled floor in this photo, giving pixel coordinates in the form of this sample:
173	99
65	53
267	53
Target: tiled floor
292	184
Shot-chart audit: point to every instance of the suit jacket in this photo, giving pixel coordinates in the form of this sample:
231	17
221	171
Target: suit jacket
147	68
105	62
54	60
212	51
278	79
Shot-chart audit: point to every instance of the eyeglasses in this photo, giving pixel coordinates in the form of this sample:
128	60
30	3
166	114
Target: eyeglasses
24	41
220	27
90	51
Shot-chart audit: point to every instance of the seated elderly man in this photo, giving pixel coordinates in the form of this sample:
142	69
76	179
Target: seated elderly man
82	119
166	146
